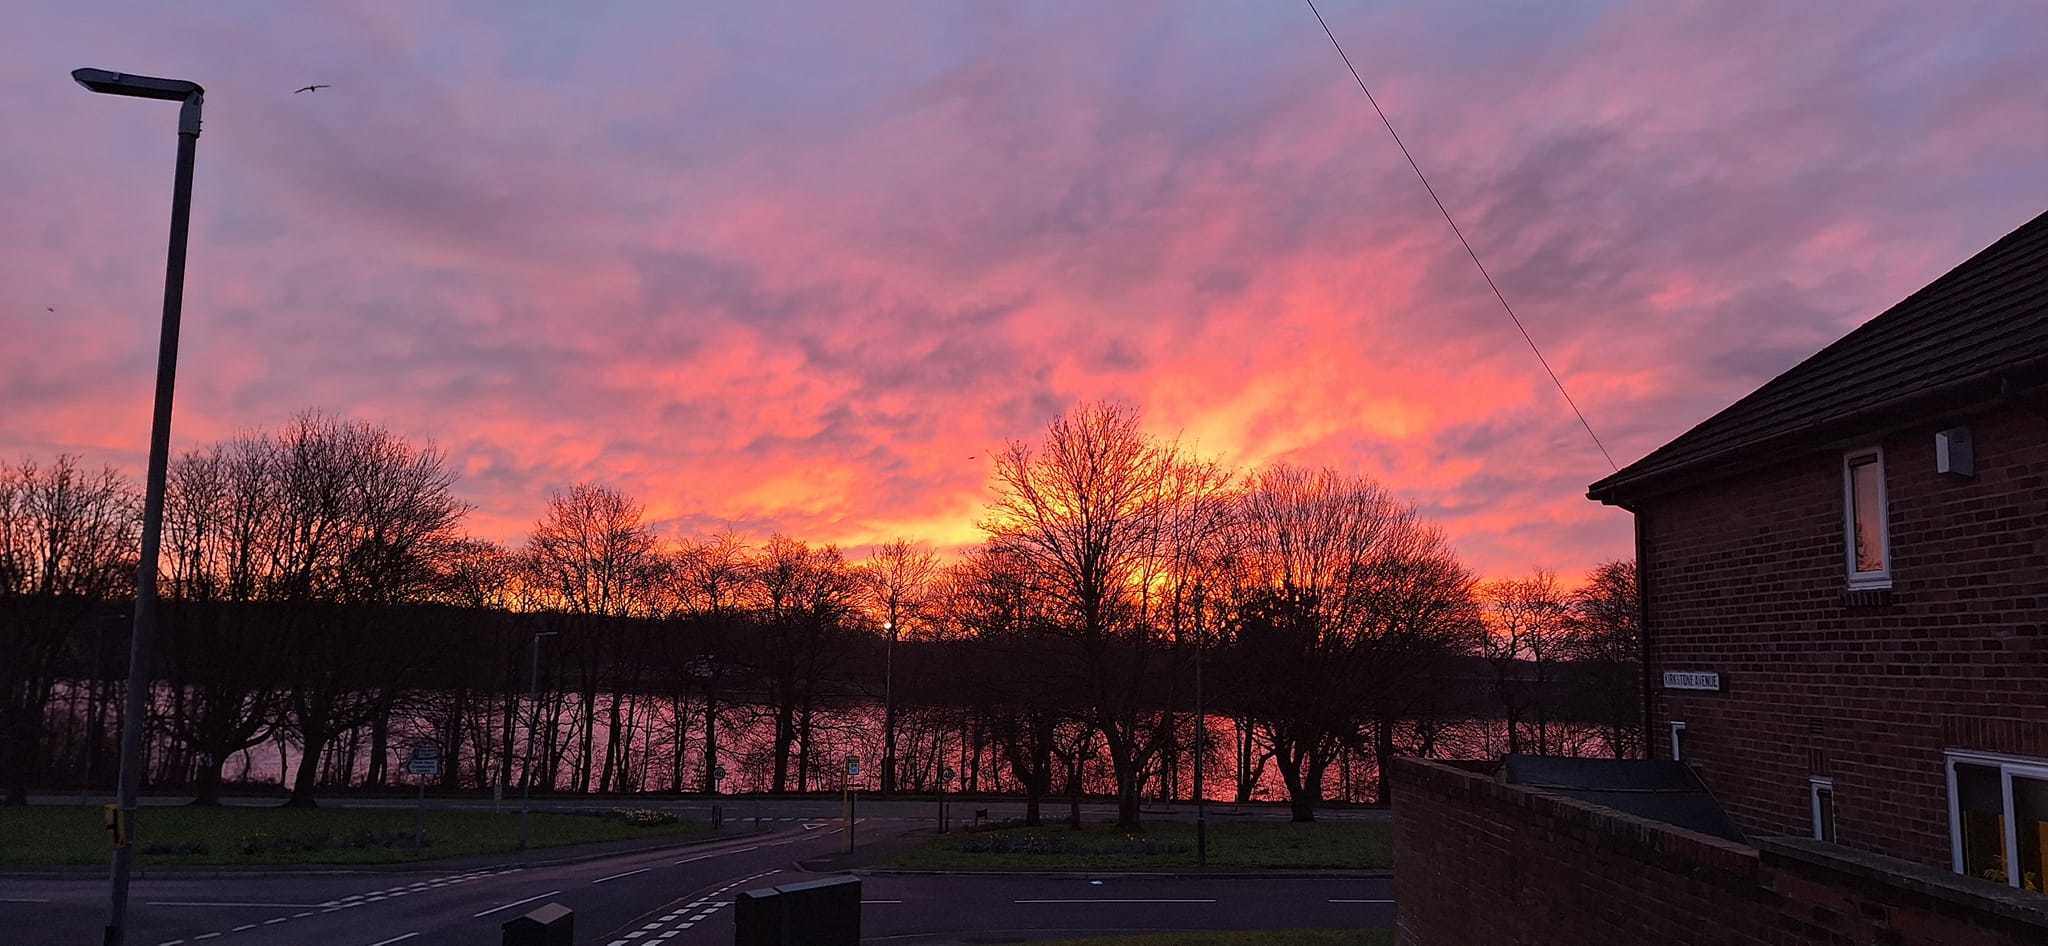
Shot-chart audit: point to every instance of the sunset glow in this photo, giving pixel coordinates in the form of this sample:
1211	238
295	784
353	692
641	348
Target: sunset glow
805	269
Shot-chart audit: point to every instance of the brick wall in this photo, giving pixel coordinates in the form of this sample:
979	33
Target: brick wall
1477	861
1746	577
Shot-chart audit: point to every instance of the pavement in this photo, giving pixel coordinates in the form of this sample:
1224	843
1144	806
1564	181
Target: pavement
676	895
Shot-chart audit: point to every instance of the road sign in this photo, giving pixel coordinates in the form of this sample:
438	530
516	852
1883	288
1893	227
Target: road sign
425	760
853	765
946	773
718	774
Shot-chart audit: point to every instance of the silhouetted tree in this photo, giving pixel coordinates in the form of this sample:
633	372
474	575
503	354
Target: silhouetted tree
895	580
67	548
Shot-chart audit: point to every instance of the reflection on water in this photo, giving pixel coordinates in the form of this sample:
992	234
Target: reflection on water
652	753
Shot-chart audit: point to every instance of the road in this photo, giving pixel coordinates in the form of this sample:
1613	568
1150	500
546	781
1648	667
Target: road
771	808
676	895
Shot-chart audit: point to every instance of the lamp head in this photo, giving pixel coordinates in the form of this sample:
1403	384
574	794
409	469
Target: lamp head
147	87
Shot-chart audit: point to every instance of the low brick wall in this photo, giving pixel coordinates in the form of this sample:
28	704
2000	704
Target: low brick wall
1481	862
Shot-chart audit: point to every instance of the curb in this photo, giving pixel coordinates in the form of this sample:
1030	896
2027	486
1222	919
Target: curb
473	861
1281	874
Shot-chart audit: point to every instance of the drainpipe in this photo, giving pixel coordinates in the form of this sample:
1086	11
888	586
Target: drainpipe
1643	638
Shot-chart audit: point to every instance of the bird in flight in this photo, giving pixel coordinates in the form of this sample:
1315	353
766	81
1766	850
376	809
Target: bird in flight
313	88
49	308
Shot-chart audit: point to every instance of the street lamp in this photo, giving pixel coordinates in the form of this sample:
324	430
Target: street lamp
139	642
889	708
526	771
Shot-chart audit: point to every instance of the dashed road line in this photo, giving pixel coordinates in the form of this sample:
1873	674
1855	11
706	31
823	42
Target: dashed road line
515	903
231	903
1129	900
395	939
626	874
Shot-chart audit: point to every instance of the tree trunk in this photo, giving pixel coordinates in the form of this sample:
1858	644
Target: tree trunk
206	788
1383	758
308	774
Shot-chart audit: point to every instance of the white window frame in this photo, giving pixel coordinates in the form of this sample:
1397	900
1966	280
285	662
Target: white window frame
2007	766
1881	578
1815	785
1677	728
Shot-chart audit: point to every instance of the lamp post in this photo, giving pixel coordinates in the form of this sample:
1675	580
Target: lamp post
526	772
889	707
140	641
1201	743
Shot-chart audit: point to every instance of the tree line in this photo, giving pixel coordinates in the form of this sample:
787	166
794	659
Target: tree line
319	592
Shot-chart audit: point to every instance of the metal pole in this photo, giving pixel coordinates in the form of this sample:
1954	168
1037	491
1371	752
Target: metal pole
1201	740
140	643
419	815
889	710
526	775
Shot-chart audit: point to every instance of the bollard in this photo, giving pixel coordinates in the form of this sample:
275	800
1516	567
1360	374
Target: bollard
550	925
814	913
717	817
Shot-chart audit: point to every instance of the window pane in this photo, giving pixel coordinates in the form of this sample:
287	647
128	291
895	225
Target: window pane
1982	799
1824	798
1869	525
2030	812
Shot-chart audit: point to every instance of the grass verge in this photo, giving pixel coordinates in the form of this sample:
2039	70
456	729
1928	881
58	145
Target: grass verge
52	836
1236	846
1241	938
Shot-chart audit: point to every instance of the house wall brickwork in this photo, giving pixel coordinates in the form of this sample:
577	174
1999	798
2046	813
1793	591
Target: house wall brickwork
1746	576
1478	861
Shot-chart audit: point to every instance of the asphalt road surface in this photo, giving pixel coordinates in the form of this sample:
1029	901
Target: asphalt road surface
675	895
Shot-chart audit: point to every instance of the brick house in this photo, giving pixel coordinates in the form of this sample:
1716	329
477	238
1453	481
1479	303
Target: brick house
1845	640
1845	582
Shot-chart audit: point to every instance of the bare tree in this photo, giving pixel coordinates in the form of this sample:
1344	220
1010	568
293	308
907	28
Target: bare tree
896	581
1606	652
1086	510
67	547
592	557
1308	546
222	655
997	605
1527	629
707	581
363	518
802	597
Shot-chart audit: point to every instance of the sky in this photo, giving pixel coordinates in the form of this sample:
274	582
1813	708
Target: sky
805	267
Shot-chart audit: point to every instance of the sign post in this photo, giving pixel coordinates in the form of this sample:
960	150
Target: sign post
852	769
946	774
424	763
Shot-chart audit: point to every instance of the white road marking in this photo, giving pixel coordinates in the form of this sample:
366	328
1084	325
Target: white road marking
230	903
301	916
1134	900
706	857
626	874
170	942
245	926
395	939
204	936
275	921
23	900
514	904
1361	901
881	901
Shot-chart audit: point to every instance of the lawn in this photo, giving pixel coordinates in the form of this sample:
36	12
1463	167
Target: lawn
1233	846
1240	938
250	837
